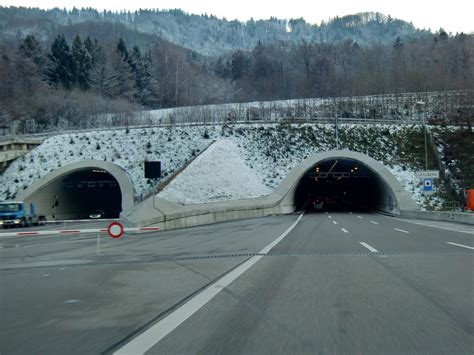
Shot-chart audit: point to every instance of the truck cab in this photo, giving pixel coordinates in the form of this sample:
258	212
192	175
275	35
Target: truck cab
17	214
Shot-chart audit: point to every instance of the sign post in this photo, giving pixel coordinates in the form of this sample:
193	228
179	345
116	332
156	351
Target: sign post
427	174
428	186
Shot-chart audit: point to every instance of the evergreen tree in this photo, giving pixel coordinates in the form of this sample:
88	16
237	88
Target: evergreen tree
30	48
122	49
82	63
60	68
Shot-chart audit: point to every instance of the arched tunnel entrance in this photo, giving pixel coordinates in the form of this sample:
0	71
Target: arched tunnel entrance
83	190
343	184
86	193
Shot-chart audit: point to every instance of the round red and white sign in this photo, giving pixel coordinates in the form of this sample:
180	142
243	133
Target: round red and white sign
115	230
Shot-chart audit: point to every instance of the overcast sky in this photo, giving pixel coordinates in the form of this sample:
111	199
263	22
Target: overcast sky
453	15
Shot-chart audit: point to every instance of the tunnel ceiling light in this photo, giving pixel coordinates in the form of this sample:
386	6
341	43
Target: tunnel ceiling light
332	167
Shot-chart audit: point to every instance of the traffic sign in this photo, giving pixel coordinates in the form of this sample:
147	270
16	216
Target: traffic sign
115	230
427	174
428	185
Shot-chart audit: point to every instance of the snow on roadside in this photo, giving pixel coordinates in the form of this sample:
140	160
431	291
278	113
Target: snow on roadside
218	174
409	181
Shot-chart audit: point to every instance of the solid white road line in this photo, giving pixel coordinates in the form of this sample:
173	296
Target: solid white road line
449	226
401	230
373	222
158	331
344	230
372	249
334	222
460	245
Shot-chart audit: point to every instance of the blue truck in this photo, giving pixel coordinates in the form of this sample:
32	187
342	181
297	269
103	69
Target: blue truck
17	214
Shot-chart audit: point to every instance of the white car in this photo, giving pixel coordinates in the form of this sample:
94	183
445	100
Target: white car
97	214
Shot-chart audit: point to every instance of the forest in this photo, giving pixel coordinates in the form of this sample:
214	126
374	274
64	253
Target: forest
76	71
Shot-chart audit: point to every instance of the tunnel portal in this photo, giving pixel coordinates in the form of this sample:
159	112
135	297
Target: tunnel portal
342	184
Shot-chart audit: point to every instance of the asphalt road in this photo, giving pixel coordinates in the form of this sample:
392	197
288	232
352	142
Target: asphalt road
335	283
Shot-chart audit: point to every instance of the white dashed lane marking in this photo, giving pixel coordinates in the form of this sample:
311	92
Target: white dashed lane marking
372	249
344	230
460	245
359	217
334	222
373	222
401	230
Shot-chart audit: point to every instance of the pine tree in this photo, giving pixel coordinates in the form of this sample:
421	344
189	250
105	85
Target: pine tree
82	63
30	48
60	66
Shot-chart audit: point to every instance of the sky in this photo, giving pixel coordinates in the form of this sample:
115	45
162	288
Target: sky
453	15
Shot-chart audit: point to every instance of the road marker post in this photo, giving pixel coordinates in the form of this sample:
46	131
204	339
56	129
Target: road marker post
98	244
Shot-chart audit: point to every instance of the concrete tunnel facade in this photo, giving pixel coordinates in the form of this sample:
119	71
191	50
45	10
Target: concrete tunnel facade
57	195
392	197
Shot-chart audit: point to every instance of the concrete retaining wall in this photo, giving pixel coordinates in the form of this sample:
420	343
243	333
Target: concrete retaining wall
459	217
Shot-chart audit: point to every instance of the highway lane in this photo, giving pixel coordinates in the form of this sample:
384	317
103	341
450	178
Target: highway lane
318	290
57	296
322	291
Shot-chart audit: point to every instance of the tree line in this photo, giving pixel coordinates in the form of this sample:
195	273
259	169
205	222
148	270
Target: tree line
314	69
66	83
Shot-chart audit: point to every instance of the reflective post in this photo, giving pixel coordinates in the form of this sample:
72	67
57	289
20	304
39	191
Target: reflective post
98	243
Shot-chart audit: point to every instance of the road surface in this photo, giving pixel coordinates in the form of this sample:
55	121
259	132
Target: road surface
336	282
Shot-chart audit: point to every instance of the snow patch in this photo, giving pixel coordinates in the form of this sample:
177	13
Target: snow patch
218	174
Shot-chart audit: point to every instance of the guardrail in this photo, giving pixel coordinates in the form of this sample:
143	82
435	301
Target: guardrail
295	120
459	217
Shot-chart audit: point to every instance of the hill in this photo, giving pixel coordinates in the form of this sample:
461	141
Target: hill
205	34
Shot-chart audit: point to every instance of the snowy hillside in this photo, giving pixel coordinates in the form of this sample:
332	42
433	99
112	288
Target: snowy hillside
271	151
128	149
405	106
261	155
219	174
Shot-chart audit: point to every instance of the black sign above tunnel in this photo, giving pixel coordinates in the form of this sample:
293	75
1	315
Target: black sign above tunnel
152	169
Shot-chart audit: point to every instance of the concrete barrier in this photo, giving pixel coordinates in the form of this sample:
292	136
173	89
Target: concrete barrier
459	217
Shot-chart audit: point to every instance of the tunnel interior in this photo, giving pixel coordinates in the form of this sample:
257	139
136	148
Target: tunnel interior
342	184
80	194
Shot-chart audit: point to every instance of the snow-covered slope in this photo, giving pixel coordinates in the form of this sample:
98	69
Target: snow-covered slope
261	155
128	149
219	174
